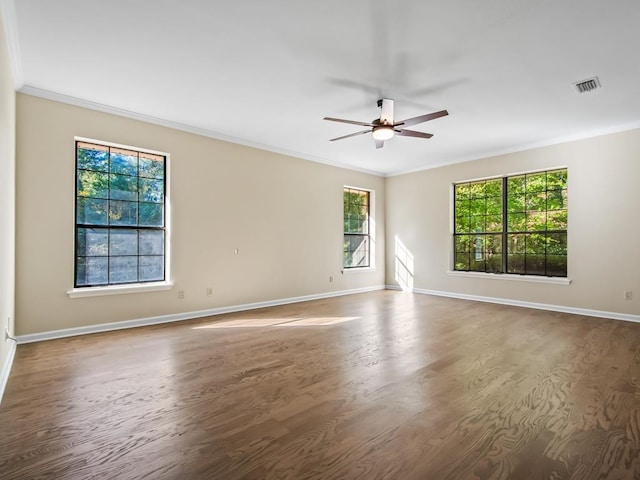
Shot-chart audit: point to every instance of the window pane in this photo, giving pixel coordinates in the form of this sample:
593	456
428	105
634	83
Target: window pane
493	188
557	179
536	182
92	184
557	220
537	201
91	211
556	243
151	242
493	244
463	243
535	243
151	190
515	263
536	221
93	157
516	222
556	200
91	271
462	191
462	261
123	269
476	190
515	204
477	206
494	206
494	263
151	268
476	265
462	224
516	243
123	213
123	242
463	208
476	223
151	166
494	223
515	185
557	265
535	264
151	214
92	242
356	250
123	187
124	162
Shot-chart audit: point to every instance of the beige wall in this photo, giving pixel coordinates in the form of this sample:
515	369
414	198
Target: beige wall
603	228
283	214
7	197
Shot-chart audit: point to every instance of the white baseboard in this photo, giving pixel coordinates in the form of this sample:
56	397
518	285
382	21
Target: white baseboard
106	327
518	303
6	368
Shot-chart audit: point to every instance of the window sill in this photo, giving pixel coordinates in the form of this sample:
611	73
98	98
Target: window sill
358	269
512	277
119	289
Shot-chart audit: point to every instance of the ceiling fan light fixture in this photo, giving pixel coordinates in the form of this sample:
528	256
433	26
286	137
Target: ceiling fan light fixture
383	132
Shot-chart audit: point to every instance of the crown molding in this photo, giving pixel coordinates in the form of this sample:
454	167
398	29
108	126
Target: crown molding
10	24
100	107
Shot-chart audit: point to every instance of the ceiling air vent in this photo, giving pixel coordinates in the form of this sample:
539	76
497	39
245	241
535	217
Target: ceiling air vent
587	85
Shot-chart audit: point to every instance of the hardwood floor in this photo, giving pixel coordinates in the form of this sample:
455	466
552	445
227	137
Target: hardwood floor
384	385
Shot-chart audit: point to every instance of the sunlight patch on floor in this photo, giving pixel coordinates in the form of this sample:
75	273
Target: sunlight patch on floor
276	322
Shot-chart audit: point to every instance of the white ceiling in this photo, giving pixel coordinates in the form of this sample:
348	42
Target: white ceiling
265	73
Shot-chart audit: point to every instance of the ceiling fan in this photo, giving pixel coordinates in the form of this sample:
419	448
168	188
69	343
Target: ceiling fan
384	128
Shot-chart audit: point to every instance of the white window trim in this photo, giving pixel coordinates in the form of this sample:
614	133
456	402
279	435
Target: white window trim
372	232
512	277
119	289
167	284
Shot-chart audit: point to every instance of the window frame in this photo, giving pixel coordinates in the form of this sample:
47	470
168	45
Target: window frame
130	287
504	232
371	231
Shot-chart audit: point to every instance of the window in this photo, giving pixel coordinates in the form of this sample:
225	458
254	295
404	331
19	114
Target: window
515	224
357	237
120	216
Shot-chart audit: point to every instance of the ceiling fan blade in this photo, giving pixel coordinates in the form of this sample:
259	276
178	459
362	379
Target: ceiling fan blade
413	133
422	118
350	135
352	122
379	143
386	111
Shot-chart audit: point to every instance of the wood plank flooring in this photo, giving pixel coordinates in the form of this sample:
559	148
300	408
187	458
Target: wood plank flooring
383	385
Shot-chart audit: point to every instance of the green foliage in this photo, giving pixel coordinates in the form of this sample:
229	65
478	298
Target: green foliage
124	164
109	188
356	211
536	222
151	168
90	159
93	184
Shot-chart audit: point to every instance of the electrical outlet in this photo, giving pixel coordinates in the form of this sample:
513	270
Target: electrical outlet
209	292
628	295
181	294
